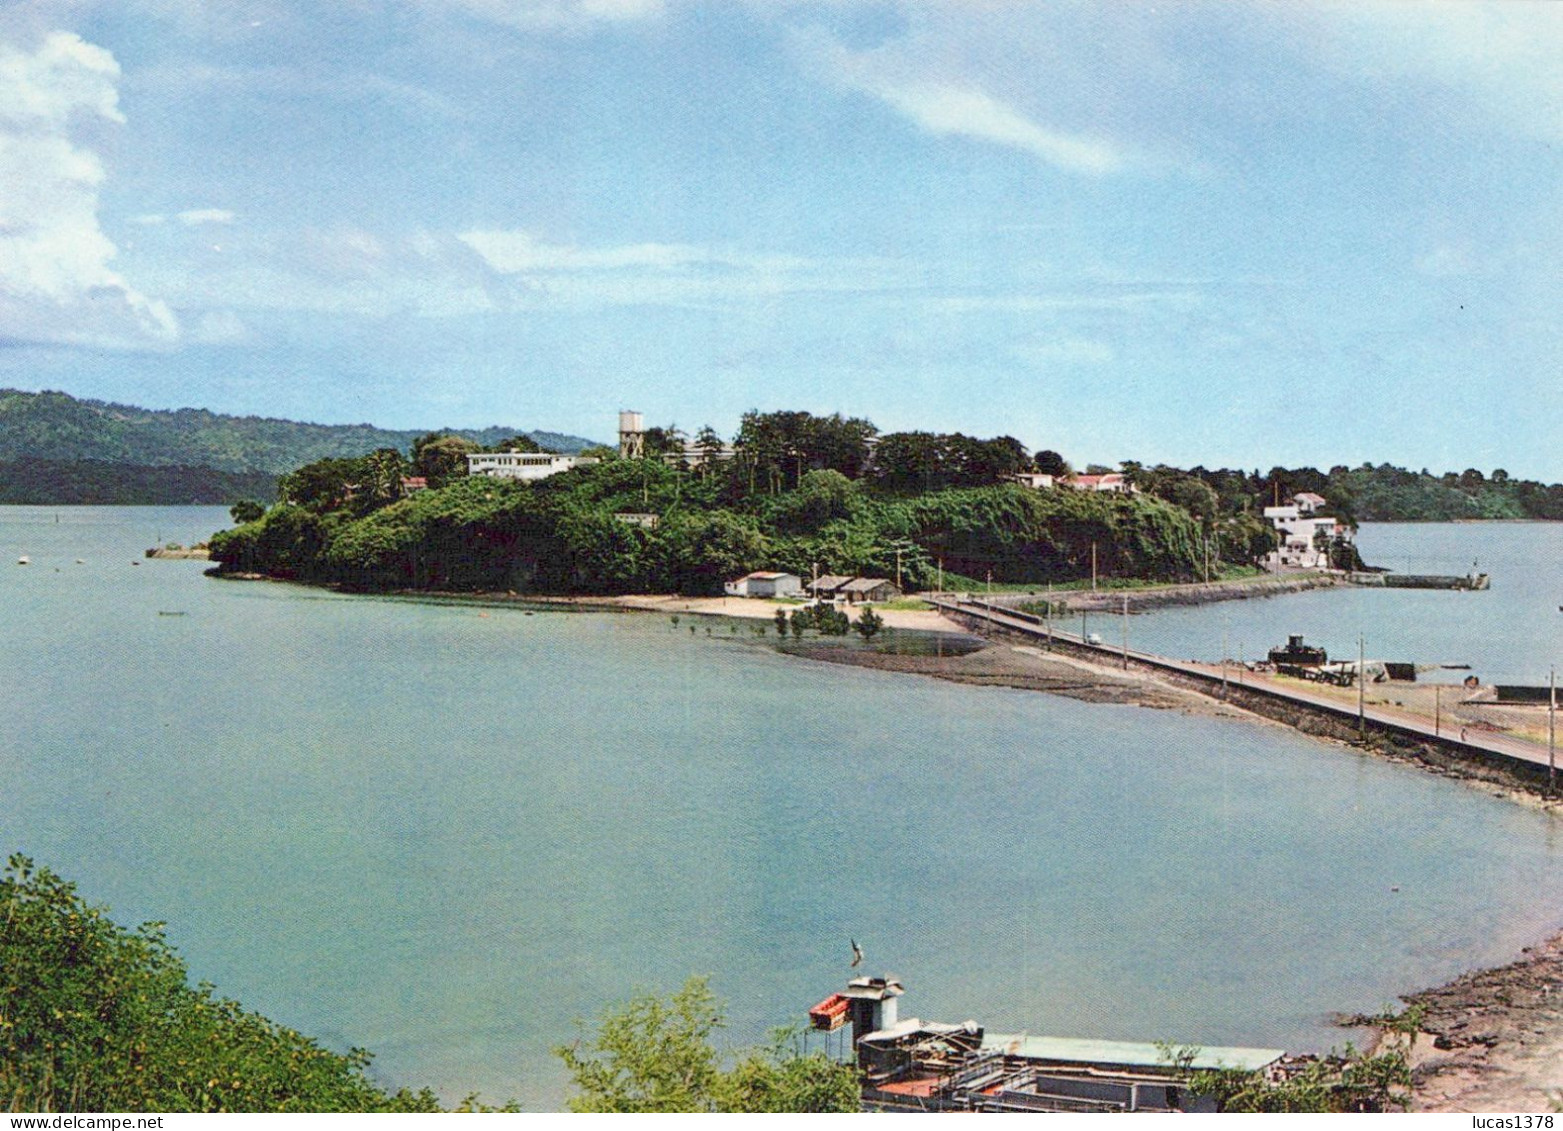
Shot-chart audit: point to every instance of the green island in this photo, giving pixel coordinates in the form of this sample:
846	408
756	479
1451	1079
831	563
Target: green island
793	492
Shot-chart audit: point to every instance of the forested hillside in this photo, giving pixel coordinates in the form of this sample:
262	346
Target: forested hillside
67	483
1369	493
57	426
799	491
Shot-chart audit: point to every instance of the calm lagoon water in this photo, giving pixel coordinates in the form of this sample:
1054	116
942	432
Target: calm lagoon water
445	832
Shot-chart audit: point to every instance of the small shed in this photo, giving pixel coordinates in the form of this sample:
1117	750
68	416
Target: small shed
861	589
828	587
763	583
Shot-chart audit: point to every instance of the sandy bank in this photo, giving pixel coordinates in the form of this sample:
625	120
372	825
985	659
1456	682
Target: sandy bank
747	607
1031	669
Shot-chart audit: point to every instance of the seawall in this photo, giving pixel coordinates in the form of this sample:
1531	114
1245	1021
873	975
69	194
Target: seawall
1481	757
1169	596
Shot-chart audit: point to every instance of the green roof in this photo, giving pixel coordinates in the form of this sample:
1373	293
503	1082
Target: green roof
1135	1054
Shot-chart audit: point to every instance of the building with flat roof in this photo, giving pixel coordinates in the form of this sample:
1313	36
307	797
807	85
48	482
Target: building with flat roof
523	465
763	583
916	1065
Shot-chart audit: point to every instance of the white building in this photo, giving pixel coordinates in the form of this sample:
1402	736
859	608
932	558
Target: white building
523	465
765	584
1033	479
1305	534
1112	482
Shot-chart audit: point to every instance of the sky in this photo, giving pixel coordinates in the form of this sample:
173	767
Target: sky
1230	234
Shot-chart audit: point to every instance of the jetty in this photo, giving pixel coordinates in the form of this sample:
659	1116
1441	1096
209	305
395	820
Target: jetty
915	1065
1310	708
1469	582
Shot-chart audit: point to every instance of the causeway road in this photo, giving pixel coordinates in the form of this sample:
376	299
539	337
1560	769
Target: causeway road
1342	704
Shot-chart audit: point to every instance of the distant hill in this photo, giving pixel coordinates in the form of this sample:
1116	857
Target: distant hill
59	427
69	482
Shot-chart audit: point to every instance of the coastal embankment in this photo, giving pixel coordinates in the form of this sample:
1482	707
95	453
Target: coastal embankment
1147	598
1478	750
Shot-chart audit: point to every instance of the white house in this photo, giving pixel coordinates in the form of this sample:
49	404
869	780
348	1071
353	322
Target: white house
1305	534
1112	482
1033	479
765	584
523	465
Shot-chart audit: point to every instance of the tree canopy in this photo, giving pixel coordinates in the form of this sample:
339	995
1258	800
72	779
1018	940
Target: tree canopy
95	1017
655	1054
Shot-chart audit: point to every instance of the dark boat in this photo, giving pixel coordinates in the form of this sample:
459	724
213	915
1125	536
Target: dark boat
1298	655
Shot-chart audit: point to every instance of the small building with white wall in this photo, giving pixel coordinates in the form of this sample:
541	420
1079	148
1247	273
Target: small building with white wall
1112	482
763	583
523	465
1305	535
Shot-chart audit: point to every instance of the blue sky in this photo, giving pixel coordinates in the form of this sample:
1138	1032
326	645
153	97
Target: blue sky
1230	233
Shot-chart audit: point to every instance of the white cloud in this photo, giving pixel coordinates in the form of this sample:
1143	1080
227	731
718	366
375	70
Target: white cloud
553	15
194	216
190	218
514	251
64	77
947	110
538	272
56	284
1500	57
1064	351
221	328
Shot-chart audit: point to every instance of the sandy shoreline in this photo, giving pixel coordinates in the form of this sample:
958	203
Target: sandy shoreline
749	608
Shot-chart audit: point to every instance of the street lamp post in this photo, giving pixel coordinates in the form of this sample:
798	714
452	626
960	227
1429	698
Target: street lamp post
1362	688
1552	730
1125	632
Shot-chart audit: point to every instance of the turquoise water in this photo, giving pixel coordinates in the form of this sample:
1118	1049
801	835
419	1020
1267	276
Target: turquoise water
445	832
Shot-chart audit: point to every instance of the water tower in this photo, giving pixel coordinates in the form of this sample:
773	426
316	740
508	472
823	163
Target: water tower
632	435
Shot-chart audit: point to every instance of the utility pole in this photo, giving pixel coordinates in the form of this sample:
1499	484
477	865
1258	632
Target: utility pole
1223	656
1093	567
1552	730
1362	688
1438	706
941	575
1125	632
1082	626
898	567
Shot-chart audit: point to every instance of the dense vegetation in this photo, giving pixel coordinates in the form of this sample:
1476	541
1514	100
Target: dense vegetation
782	503
68	483
53	426
1354	1082
655	1055
1366	493
95	1017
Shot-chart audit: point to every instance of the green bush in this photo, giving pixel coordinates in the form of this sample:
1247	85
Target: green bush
94	1017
